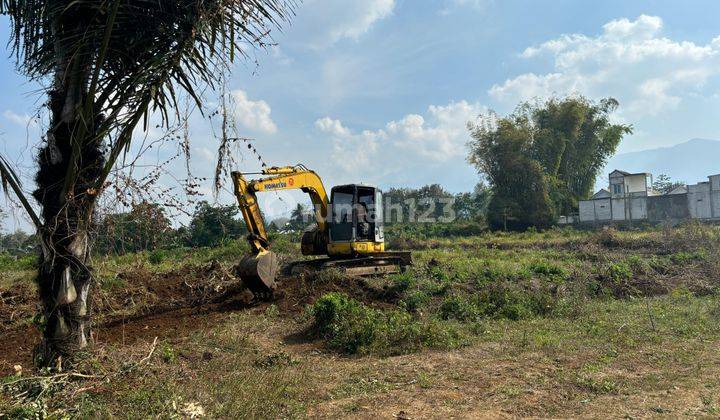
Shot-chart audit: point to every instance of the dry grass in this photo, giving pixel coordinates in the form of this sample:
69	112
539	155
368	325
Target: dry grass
633	330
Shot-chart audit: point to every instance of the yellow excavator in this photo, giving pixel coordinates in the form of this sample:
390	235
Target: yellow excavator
348	229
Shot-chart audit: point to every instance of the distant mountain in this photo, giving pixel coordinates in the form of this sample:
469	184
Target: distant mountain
690	162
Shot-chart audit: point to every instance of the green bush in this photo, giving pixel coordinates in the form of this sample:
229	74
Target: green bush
492	272
638	264
351	327
462	309
414	300
620	273
548	269
500	300
157	257
401	282
345	322
11	263
684	258
285	243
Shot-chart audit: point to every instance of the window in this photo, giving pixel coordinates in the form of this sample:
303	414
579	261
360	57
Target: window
341	228
365	210
617	188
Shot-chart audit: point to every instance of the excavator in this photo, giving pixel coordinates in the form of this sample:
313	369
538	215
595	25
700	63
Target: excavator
348	232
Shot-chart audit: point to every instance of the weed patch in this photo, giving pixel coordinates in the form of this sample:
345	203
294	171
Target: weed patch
501	300
350	327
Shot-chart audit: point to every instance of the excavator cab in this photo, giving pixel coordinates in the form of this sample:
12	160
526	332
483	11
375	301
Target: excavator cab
356	221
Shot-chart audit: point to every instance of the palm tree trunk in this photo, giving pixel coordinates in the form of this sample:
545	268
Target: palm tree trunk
69	153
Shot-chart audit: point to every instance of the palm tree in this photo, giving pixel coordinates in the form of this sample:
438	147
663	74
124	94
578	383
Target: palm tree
299	213
108	64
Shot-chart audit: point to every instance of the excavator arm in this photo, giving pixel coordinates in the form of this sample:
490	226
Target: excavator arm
278	178
259	270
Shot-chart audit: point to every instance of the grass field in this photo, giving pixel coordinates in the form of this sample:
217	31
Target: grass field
562	323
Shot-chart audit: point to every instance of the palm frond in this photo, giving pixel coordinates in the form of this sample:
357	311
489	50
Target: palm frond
135	56
10	181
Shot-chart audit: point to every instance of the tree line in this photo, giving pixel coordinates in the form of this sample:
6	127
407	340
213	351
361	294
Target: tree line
146	226
432	203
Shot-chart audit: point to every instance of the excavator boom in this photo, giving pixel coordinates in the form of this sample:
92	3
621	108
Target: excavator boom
279	178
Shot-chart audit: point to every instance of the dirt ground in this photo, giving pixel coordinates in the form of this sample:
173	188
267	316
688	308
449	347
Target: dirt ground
486	380
147	305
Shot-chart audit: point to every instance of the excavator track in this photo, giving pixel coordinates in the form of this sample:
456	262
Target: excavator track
375	264
258	272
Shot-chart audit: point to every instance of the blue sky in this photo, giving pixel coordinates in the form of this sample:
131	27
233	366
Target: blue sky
380	90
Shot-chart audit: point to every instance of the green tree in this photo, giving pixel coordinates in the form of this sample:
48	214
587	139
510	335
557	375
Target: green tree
108	65
144	228
211	226
573	139
520	196
473	205
664	184
427	203
18	243
299	217
543	158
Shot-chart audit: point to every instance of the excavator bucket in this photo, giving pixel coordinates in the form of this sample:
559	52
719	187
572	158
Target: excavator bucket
259	272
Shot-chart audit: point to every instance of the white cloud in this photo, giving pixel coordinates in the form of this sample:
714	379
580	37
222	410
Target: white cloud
322	23
349	151
254	115
437	137
279	56
206	154
23	120
629	60
645	27
331	126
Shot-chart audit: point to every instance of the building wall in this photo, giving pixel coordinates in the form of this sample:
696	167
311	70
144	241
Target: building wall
595	210
715	182
699	201
587	211
618	209
639	208
603	209
667	207
702	201
636	183
715	195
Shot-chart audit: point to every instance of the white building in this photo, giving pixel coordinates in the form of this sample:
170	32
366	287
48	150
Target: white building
704	199
630	197
624	199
